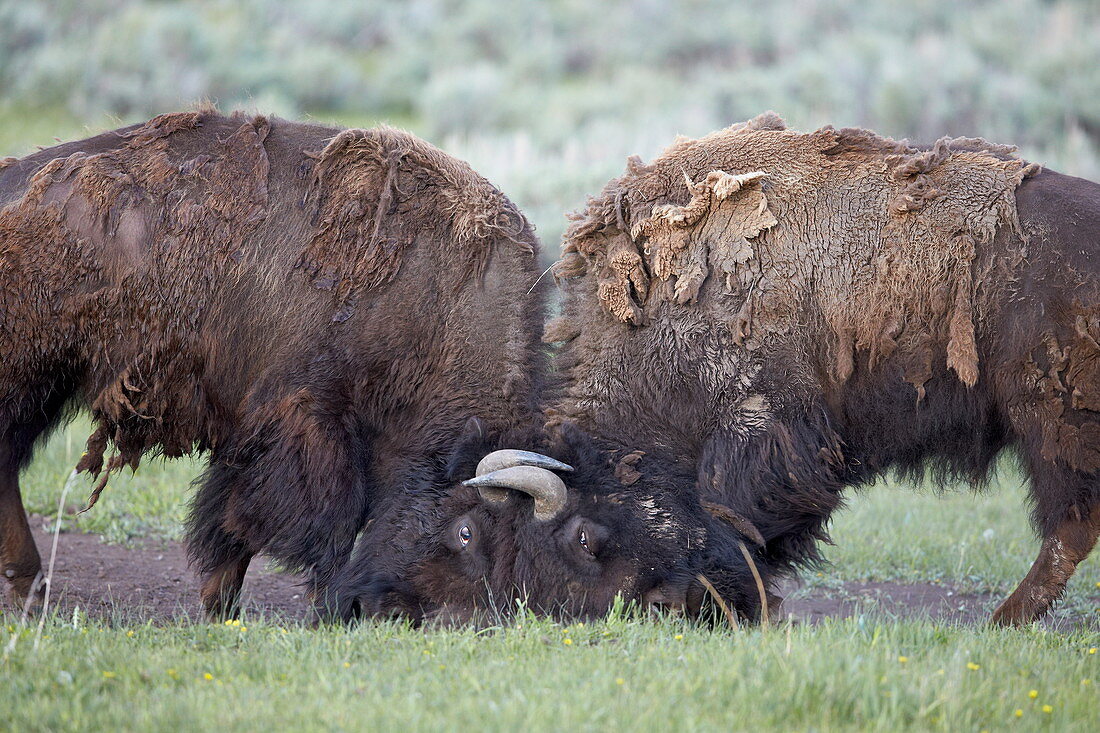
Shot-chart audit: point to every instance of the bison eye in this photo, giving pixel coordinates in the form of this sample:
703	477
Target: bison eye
582	538
461	535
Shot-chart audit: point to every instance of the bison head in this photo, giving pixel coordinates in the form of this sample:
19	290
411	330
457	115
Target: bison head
562	535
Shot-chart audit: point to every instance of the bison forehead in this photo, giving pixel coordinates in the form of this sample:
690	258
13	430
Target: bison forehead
659	520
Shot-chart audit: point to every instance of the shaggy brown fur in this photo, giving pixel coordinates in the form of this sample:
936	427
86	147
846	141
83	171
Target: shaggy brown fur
307	304
793	313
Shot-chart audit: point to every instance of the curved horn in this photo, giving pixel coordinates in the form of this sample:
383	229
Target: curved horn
507	458
545	487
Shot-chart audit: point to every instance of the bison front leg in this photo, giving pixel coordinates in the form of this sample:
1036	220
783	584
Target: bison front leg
19	557
295	491
1062	550
220	557
221	589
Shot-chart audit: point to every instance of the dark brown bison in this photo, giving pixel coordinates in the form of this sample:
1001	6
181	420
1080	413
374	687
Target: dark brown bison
321	311
786	315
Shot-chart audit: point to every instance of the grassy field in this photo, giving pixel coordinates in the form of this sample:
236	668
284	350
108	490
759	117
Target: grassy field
620	674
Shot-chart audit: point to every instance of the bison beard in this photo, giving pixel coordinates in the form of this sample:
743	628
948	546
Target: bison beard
319	310
793	314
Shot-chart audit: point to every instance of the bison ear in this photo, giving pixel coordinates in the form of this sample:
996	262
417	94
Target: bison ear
474	429
572	444
743	526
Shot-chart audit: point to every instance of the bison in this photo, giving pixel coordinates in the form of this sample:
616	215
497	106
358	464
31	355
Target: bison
787	315
347	323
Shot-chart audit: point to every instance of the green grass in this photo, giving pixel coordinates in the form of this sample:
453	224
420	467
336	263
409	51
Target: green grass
621	673
977	542
625	671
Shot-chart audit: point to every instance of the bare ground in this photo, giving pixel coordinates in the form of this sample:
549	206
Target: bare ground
152	581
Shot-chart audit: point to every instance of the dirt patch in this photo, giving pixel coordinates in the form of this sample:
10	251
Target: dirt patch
935	601
152	580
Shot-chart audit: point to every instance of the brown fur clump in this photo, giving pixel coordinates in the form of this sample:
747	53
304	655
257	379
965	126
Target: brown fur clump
369	184
81	228
148	234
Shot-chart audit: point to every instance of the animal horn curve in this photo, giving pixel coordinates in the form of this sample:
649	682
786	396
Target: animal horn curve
542	485
507	458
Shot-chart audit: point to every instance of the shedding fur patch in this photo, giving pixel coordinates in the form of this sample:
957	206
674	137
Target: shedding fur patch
759	226
377	191
1067	382
136	239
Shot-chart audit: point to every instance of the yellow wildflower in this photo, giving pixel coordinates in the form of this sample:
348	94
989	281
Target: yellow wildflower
973	667
903	660
620	681
1019	713
1048	709
208	676
1033	694
678	637
567	641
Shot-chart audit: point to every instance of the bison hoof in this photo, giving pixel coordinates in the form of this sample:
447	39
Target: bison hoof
27	595
1013	613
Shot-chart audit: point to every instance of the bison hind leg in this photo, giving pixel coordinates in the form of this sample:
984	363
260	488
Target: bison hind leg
24	423
1062	550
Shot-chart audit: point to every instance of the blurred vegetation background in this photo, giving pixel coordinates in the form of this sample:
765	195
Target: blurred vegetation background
548	98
